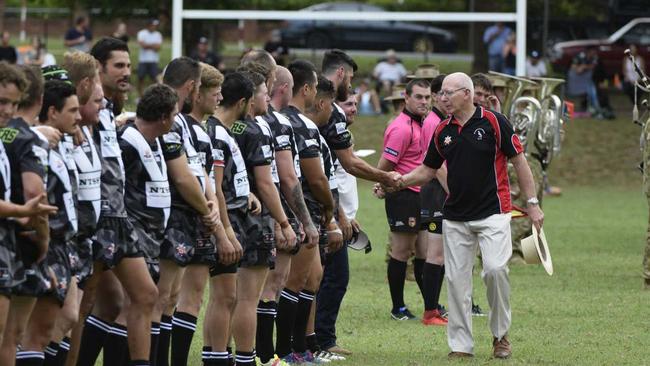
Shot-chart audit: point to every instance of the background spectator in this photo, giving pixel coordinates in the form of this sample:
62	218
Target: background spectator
79	37
601	82
495	38
37	55
510	55
7	51
278	49
389	71
535	66
121	32
580	81
150	41
367	99
203	54
629	75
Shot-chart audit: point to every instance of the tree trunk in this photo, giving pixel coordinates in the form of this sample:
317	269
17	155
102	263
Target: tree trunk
2	15
480	63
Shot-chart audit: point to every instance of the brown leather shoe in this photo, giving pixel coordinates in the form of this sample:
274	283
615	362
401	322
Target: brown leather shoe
502	348
339	350
459	355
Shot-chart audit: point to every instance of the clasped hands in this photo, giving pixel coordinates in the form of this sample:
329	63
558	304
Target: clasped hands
393	183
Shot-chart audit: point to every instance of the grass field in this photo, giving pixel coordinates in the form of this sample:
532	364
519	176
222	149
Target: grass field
593	311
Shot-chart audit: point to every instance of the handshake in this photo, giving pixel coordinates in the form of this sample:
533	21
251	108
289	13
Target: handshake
393	183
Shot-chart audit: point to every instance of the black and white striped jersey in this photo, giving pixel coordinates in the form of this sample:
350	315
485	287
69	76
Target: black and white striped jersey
147	193
227	155
112	178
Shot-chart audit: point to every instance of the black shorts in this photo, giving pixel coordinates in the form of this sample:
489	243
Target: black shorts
295	225
187	240
148	69
83	269
153	266
432	199
255	233
219	269
58	259
403	211
12	271
37	276
115	239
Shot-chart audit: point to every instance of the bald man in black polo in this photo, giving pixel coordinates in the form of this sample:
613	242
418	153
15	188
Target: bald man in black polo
476	145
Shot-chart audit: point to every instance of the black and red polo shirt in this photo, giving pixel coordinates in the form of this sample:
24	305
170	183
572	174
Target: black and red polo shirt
477	156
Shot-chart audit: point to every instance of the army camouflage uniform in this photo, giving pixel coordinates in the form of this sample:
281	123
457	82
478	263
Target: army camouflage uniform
646	187
521	227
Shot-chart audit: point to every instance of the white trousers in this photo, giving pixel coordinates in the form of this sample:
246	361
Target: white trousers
492	235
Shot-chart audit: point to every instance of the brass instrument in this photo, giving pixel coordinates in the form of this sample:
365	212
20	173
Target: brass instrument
524	114
549	129
514	88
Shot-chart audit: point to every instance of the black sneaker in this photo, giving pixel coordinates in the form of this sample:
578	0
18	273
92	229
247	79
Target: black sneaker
402	314
443	311
476	310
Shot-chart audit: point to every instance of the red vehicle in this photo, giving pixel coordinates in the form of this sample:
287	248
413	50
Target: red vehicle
610	50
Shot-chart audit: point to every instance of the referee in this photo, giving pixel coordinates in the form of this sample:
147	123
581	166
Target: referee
476	144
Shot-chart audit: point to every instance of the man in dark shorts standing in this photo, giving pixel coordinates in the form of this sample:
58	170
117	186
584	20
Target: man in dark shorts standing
60	110
194	217
259	248
26	186
403	151
232	190
115	245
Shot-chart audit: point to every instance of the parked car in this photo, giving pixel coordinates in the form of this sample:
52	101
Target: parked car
363	34
610	50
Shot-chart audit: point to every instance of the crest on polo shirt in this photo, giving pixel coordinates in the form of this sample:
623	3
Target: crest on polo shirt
447	140
479	133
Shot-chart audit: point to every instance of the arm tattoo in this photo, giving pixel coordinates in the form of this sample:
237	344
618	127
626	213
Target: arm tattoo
297	203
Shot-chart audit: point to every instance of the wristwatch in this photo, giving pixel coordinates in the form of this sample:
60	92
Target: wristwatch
532	201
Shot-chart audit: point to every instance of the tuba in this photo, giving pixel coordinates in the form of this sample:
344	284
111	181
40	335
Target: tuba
549	129
514	86
522	111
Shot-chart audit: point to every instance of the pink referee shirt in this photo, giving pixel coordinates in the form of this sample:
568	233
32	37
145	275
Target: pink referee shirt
403	143
428	128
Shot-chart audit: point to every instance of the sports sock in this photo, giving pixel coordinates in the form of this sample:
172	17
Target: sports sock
312	343
29	358
306	298
92	340
153	350
221	359
139	363
231	357
64	348
162	358
396	276
417	272
206	356
51	351
266	311
245	358
432	275
183	327
285	320
116	346
439	280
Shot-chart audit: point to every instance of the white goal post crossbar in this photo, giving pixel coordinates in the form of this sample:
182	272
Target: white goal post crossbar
179	14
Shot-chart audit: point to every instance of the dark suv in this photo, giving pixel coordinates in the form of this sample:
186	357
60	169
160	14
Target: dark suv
363	34
610	50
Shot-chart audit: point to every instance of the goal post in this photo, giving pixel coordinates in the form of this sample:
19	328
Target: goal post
519	17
